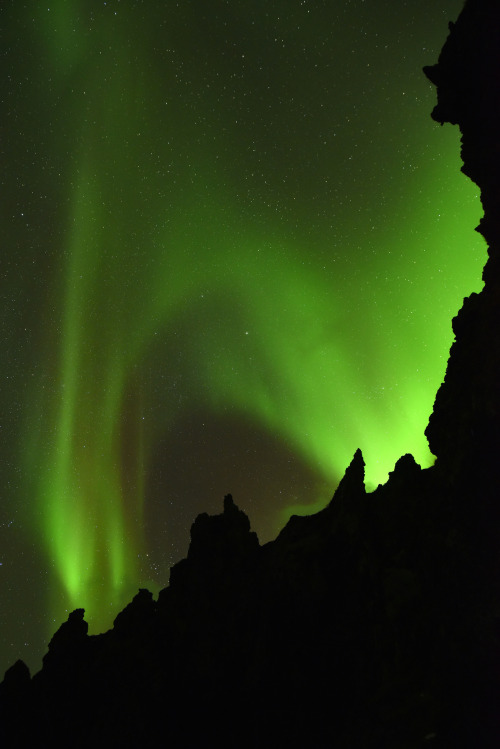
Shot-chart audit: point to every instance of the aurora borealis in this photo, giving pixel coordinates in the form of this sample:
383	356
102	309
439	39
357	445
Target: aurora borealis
233	243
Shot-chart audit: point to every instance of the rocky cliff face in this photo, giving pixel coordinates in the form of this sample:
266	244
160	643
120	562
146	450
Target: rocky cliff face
374	623
464	427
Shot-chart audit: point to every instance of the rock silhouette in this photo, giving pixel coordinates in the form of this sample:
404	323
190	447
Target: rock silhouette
375	622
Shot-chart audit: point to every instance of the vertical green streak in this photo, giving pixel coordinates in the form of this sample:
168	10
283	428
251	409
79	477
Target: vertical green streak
90	505
81	493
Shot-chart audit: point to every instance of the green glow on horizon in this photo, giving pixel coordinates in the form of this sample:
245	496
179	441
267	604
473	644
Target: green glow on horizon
330	357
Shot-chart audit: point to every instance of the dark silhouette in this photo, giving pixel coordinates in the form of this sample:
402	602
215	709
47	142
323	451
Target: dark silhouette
374	623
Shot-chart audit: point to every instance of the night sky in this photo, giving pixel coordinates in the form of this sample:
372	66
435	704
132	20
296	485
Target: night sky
233	240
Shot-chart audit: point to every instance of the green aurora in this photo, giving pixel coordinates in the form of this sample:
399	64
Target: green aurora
242	231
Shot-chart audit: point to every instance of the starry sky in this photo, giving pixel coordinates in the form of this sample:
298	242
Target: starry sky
233	240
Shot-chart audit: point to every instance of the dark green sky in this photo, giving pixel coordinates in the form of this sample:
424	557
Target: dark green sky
233	243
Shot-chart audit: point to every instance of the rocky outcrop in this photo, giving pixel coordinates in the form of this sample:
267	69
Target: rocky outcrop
221	545
375	622
463	431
